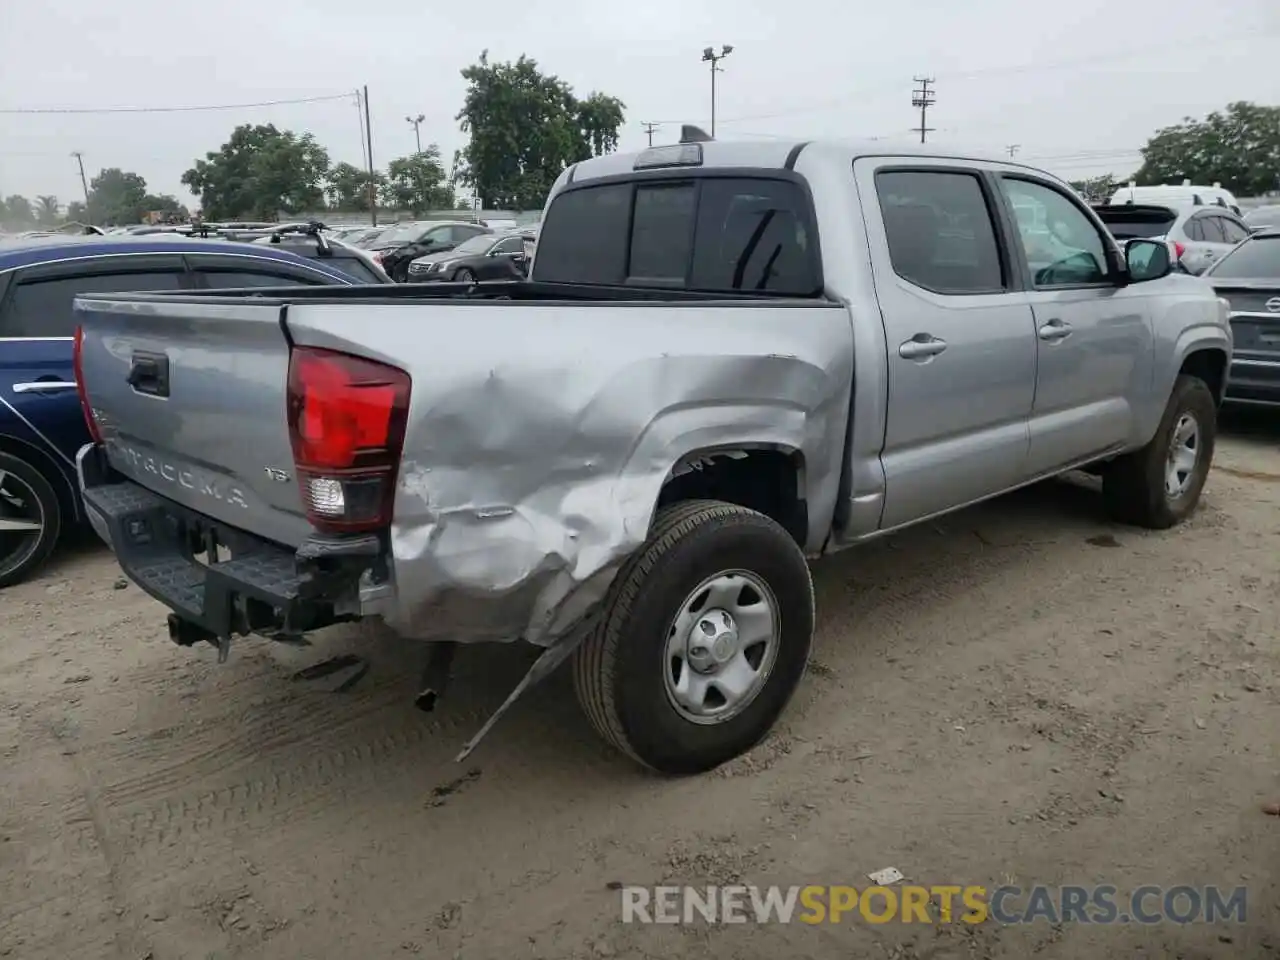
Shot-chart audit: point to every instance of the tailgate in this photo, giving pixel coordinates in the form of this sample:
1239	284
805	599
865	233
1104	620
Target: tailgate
1255	327
190	393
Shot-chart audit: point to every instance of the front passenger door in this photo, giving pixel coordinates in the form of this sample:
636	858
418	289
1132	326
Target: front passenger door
961	342
1093	337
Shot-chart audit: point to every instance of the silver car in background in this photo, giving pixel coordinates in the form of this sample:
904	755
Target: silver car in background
1199	235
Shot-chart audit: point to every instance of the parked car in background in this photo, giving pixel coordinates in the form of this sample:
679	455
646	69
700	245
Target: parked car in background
1249	279
486	257
1199	235
359	236
1185	194
316	244
729	357
41	424
405	242
1260	217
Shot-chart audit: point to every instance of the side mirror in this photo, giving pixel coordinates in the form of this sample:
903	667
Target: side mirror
1147	260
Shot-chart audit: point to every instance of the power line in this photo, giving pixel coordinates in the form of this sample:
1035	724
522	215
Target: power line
185	109
649	130
923	98
1217	44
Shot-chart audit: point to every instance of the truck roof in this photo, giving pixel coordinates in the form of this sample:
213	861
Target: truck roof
778	153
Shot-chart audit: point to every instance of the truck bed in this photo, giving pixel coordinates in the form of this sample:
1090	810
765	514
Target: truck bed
517	290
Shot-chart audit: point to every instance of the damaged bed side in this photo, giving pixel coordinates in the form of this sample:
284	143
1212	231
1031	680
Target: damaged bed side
528	478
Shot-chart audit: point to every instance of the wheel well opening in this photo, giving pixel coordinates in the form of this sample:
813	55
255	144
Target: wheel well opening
768	481
1209	366
46	465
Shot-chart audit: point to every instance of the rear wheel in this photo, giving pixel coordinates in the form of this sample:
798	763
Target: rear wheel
703	641
30	519
1159	485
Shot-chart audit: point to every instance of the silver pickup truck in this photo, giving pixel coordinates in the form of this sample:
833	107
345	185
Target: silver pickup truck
729	358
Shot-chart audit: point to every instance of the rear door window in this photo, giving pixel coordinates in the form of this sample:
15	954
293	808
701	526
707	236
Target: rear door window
44	308
940	231
1210	230
1233	231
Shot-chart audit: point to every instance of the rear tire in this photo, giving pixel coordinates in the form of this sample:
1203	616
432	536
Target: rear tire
27	498
702	560
1159	485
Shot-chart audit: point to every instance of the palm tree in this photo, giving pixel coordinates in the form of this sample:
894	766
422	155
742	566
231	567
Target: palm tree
47	210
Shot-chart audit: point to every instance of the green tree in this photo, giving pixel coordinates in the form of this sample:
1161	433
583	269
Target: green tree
17	211
347	187
165	205
525	127
1096	189
418	183
76	211
117	196
261	172
46	211
1238	147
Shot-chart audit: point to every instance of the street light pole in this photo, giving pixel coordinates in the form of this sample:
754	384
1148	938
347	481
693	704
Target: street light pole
710	56
416	122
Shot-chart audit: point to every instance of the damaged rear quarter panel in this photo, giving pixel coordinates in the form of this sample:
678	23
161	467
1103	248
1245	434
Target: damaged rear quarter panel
540	435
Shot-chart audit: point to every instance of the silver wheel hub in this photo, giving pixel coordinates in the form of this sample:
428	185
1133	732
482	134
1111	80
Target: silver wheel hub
1184	455
721	647
21	520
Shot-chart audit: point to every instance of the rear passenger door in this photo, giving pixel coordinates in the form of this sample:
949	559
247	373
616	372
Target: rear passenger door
217	271
1093	336
37	327
960	336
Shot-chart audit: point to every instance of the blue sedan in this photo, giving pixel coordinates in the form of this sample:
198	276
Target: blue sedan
41	423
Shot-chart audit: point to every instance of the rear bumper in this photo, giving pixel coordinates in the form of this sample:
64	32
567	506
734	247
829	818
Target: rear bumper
263	587
1254	381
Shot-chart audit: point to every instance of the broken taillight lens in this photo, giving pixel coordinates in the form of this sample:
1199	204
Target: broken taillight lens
86	408
347	419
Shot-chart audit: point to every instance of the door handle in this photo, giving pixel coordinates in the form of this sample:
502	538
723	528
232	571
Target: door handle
1054	330
921	347
38	385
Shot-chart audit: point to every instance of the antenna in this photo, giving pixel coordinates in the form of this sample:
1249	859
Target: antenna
691	134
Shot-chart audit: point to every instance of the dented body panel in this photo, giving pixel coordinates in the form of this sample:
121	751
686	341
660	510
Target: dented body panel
540	436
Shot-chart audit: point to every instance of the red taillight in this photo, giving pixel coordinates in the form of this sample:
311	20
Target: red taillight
1178	250
346	424
94	434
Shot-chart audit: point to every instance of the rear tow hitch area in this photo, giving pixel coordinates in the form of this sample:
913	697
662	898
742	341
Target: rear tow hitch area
187	634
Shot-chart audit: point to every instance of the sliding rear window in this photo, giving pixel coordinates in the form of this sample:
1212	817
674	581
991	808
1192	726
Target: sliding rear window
708	234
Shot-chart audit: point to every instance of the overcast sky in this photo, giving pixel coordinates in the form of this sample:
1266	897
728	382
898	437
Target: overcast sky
1078	85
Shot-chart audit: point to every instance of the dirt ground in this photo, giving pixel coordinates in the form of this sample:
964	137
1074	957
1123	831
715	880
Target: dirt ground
1020	693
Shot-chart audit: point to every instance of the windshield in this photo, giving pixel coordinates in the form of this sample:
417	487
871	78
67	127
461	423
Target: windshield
405	233
474	245
1263	217
1256	259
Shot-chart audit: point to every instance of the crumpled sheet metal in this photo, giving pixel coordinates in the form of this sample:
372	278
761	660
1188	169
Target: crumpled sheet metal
540	436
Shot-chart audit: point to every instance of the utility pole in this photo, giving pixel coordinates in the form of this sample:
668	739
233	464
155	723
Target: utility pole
923	98
1012	149
83	180
368	133
710	56
649	129
416	122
